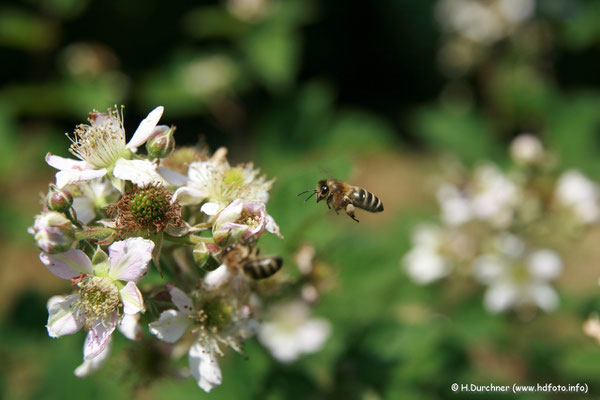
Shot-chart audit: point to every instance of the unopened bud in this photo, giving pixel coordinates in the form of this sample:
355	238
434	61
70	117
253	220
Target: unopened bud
59	200
204	258
53	232
162	143
526	149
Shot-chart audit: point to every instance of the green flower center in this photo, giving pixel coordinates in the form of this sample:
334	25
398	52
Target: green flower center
98	299
216	314
234	178
149	205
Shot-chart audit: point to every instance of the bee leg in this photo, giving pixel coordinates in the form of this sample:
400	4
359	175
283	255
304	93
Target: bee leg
350	212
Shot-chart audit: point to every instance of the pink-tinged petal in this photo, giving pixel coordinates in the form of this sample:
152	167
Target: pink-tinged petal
204	367
129	258
61	163
189	196
70	176
181	300
210	208
273	227
88	367
132	299
146	128
139	172
171	177
67	265
61	319
129	326
99	336
171	325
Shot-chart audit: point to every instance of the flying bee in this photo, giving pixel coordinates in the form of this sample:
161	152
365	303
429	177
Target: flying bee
340	195
246	258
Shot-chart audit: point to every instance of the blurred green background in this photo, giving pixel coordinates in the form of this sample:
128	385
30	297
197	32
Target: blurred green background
370	92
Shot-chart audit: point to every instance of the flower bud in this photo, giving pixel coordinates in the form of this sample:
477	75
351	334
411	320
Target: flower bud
53	232
162	143
526	149
59	200
204	258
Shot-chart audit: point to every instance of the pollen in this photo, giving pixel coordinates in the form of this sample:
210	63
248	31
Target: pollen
215	315
101	142
147	209
234	177
98	299
250	219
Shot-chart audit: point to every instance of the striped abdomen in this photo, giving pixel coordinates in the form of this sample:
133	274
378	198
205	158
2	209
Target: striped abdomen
366	200
263	267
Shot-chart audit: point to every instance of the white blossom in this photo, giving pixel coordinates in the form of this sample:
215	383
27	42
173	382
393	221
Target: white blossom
216	184
102	288
425	263
100	145
241	221
215	320
290	332
518	277
580	195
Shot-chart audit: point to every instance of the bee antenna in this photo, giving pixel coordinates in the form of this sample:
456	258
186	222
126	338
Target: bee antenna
306	191
311	195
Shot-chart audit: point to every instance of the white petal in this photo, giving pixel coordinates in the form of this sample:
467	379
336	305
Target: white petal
500	297
67	265
132	299
140	172
171	325
210	208
544	264
84	208
70	176
145	129
99	336
425	266
217	278
129	258
181	300
90	366
282	347
61	320
171	177
129	327
189	196
313	335
544	296
204	367
61	163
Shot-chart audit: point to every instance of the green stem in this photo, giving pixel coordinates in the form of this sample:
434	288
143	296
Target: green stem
98	233
180	240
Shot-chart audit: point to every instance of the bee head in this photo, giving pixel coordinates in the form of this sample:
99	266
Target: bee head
322	190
